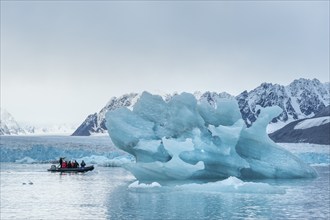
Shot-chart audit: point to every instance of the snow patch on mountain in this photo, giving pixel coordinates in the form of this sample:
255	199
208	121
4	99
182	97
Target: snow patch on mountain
8	124
312	122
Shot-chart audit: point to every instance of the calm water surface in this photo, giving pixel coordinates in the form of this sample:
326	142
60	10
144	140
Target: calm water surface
29	192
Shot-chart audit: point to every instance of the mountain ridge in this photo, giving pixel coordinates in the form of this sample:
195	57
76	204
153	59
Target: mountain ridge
302	98
314	130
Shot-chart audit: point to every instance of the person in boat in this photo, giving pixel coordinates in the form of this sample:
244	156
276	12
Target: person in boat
83	164
61	161
76	164
69	164
64	164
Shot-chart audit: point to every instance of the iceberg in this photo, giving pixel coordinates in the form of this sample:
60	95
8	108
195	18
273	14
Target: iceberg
183	139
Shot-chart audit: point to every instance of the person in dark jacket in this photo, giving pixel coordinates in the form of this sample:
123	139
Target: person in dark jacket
83	163
76	164
61	161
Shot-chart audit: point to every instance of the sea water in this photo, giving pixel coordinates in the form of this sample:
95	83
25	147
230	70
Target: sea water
28	191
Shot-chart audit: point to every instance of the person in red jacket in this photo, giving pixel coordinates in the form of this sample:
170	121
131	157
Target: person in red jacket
64	164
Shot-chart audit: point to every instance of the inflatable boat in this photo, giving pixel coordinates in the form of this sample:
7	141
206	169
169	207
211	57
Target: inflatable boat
53	168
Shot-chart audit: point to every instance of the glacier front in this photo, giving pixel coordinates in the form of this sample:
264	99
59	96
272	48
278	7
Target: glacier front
185	139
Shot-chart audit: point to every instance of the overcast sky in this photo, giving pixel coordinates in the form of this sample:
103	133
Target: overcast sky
61	61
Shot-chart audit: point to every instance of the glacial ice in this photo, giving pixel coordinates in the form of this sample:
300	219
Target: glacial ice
137	184
45	149
183	139
232	185
229	185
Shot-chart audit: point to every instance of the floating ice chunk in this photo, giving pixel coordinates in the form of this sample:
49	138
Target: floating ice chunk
105	161
136	184
115	162
232	185
25	160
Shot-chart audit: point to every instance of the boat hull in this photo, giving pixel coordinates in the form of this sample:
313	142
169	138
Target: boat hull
72	170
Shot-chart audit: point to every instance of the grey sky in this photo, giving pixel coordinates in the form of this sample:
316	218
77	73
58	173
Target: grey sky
61	61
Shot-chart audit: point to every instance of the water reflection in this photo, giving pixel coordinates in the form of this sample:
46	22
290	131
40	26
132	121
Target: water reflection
165	203
104	194
304	197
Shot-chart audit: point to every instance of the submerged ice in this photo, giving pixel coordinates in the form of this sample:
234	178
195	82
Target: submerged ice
229	185
186	139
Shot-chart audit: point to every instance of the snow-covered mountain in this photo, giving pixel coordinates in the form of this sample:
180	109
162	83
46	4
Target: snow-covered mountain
300	99
95	123
8	124
53	129
314	130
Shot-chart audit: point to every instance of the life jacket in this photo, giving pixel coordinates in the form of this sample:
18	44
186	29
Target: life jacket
64	164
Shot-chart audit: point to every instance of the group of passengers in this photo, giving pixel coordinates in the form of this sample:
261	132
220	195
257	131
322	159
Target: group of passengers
71	164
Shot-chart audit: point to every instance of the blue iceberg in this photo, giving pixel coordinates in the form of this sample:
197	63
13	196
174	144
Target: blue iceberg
186	139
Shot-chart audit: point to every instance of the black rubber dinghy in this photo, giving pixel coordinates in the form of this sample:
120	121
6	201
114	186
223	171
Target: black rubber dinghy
53	168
